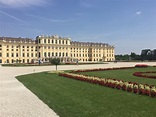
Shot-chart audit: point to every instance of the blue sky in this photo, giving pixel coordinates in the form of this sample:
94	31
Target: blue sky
129	25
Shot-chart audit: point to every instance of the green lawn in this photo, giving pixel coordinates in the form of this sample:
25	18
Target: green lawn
125	75
72	98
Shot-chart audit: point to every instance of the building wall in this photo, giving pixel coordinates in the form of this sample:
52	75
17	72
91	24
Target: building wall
25	50
16	51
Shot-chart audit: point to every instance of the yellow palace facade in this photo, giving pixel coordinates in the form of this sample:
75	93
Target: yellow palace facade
25	50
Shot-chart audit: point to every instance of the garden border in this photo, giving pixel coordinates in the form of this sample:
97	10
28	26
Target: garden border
141	74
144	89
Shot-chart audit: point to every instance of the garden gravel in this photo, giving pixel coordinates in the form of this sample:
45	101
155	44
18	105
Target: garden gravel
18	101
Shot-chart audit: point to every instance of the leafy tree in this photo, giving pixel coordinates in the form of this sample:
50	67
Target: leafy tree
133	55
55	61
127	57
124	57
20	61
17	60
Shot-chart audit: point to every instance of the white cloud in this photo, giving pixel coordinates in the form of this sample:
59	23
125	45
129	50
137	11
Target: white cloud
15	18
139	12
22	3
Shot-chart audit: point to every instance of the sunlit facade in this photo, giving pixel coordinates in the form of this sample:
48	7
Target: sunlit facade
25	50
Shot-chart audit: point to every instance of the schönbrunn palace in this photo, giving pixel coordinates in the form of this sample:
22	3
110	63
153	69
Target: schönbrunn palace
26	50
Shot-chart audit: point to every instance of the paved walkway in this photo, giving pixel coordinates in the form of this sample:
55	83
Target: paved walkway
18	101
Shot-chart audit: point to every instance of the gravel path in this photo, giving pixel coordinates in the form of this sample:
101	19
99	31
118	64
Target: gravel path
18	101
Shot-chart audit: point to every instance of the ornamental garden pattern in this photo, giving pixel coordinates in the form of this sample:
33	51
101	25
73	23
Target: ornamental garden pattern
137	88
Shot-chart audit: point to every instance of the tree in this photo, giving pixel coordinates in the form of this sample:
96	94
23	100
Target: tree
133	55
124	57
20	61
55	61
17	60
127	57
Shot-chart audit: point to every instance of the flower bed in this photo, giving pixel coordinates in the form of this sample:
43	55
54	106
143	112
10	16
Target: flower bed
143	89
141	65
145	74
69	63
55	71
100	69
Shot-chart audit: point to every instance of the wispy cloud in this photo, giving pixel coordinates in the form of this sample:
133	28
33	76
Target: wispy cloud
138	12
22	3
13	17
50	20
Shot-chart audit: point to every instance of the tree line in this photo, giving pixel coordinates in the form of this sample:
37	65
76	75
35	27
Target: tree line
146	54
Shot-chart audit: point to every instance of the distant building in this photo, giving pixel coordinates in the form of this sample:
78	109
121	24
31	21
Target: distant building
154	51
148	54
25	50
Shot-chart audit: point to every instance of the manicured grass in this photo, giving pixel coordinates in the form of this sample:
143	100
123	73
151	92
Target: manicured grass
72	98
125	75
